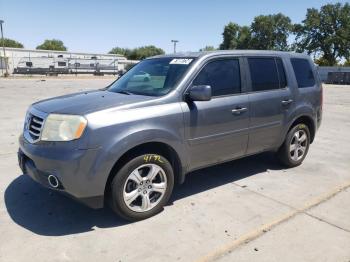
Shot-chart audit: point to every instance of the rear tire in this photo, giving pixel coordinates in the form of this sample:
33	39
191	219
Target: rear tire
142	187
295	147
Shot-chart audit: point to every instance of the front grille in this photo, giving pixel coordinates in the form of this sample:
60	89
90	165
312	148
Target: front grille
35	125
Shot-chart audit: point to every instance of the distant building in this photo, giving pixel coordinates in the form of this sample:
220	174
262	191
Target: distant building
29	61
327	73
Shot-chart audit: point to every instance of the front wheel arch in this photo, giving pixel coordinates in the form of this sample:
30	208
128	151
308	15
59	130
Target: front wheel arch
151	147
132	193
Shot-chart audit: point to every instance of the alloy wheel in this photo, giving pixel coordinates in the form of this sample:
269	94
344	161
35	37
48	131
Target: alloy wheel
298	145
145	187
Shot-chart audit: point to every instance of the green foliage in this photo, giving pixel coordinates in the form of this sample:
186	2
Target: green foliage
11	43
235	37
230	36
325	32
270	32
138	53
244	38
121	51
321	61
208	48
53	44
145	51
266	32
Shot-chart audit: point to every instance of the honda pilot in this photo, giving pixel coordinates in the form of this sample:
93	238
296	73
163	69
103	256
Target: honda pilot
128	144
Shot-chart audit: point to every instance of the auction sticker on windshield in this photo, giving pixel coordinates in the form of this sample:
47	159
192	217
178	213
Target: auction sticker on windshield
182	61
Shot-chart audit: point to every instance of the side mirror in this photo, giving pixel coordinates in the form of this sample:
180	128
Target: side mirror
199	93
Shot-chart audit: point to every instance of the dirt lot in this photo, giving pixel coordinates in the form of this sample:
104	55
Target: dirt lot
247	210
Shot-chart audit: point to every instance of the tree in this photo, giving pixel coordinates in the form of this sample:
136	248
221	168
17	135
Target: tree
270	32
347	62
266	32
138	53
53	44
244	38
325	33
121	51
11	43
236	37
145	51
321	61
208	48
230	36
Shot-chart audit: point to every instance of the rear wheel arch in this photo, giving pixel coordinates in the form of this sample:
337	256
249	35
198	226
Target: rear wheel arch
308	121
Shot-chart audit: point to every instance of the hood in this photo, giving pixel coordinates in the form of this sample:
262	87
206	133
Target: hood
86	102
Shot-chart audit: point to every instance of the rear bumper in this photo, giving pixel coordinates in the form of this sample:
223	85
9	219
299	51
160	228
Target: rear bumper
73	169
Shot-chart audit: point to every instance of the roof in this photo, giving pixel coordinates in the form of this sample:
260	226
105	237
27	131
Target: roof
231	52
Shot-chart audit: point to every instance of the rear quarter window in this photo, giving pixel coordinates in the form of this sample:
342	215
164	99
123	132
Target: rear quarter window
303	72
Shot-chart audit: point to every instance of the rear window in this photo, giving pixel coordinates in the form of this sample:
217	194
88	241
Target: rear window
263	73
61	63
303	72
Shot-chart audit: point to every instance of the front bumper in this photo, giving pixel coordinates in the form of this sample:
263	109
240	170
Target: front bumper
74	168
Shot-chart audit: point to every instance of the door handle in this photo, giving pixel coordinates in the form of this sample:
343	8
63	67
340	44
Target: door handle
239	110
287	102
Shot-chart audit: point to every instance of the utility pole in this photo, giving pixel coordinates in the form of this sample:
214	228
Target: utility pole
174	41
3	48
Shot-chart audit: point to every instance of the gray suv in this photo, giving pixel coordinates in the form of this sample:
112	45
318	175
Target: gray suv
129	143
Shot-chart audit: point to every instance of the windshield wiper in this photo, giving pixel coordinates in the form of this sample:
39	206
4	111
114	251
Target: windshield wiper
124	92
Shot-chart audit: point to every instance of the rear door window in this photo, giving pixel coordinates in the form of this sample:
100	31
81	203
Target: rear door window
303	72
222	75
263	74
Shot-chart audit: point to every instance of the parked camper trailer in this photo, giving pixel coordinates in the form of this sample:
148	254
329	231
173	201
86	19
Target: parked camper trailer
29	61
60	65
41	66
93	66
36	65
107	66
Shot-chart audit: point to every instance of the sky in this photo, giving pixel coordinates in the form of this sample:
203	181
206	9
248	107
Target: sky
99	25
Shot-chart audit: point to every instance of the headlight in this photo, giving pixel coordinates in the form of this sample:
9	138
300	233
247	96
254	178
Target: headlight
63	127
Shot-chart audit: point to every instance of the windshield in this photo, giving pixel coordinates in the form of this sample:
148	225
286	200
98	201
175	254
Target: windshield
152	77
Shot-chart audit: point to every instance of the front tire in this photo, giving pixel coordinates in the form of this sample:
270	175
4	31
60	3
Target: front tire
142	187
295	147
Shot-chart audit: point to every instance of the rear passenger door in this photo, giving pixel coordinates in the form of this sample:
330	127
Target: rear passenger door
269	100
217	130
